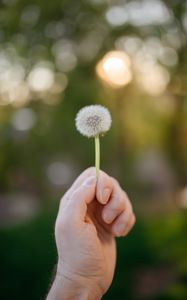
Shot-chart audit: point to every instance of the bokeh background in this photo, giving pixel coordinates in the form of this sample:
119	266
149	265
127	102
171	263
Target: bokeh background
55	57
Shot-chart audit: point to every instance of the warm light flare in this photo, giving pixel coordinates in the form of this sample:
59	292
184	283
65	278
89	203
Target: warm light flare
115	69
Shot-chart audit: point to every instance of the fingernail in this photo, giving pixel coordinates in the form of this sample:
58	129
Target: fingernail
105	195
120	229
89	181
108	217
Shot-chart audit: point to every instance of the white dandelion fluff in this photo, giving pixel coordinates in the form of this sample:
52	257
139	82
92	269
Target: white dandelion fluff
93	120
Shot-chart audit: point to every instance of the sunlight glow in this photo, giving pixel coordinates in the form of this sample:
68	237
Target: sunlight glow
139	13
23	119
59	173
115	69
153	79
41	78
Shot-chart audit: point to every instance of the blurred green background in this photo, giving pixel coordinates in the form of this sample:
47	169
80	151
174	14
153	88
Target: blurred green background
55	57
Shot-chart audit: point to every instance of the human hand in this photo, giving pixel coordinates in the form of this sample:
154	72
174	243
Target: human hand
91	214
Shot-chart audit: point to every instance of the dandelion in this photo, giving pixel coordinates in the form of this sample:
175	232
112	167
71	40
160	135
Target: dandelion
94	121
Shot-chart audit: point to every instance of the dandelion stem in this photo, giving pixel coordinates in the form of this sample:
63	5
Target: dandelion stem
97	155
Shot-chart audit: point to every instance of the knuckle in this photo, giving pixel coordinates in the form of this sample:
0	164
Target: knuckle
128	208
120	203
126	198
129	225
115	181
127	228
117	206
133	219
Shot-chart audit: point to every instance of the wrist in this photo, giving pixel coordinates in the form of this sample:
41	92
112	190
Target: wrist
76	289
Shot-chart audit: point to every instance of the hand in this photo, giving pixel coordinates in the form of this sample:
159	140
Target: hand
91	214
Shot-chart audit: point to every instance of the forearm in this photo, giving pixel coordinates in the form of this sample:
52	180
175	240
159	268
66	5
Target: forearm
65	289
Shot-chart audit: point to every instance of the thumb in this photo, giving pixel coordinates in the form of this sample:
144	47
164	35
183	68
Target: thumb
77	204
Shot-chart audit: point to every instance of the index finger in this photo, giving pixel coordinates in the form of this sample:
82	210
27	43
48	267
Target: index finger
79	180
104	187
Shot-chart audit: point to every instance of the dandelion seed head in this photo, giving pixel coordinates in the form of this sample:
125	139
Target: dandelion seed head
93	120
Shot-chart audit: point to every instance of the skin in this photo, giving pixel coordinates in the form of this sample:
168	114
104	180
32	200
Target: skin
91	214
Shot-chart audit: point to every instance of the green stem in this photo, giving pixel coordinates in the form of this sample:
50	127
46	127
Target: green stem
97	155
